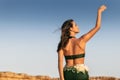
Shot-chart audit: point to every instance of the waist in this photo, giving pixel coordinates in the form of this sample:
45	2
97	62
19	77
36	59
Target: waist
74	62
76	67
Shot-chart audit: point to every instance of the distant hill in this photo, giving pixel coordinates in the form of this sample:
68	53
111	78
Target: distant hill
23	76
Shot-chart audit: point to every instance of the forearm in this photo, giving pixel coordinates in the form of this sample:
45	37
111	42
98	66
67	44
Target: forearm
98	21
60	64
60	68
99	15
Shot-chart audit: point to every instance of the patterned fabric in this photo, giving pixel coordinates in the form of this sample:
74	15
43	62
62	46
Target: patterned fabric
77	72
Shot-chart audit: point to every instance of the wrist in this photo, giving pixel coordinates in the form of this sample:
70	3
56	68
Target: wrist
99	11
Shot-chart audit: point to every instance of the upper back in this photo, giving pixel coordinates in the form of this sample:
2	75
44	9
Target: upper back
74	52
74	47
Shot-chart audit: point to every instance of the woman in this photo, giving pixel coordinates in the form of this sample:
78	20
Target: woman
73	49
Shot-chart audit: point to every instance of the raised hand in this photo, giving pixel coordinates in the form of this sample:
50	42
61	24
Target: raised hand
102	8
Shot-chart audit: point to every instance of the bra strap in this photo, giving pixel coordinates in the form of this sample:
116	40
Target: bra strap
75	56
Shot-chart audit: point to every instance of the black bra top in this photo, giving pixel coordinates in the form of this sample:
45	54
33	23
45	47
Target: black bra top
75	56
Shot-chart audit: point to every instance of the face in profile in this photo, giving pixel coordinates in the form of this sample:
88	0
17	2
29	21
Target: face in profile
74	27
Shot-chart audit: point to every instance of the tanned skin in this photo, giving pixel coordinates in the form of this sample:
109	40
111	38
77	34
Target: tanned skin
77	45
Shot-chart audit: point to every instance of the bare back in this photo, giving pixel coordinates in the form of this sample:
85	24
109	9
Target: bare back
74	47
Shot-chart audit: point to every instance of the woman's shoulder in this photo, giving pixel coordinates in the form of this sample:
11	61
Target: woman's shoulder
80	39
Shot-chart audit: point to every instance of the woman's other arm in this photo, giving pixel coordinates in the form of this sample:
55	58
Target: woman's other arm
60	64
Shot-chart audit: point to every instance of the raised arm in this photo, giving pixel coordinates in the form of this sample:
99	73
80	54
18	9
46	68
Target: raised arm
60	64
92	32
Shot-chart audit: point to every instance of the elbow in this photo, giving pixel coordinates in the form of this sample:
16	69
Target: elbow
98	27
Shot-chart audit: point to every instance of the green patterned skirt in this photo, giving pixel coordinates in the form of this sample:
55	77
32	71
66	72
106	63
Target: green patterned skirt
77	72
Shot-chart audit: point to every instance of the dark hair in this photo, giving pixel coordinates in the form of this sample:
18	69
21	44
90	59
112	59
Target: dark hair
65	34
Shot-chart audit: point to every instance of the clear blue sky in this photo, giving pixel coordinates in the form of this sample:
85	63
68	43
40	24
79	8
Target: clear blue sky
28	43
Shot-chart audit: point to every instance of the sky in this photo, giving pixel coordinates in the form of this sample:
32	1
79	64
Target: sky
29	35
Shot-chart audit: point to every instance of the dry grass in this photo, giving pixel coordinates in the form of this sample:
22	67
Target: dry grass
23	76
104	78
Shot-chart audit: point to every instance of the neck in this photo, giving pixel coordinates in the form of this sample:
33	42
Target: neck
72	34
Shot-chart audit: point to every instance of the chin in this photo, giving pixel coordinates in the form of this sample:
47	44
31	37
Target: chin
76	32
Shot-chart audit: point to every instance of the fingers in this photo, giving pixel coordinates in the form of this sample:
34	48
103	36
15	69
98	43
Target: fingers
102	8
